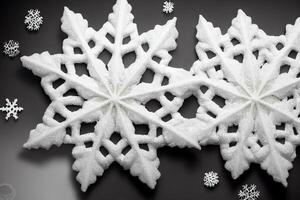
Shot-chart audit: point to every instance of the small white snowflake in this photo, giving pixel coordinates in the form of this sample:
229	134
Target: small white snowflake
248	192
168	7
11	48
33	20
11	109
211	179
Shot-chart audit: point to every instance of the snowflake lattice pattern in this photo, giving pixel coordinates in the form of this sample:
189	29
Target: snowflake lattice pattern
248	192
111	96
11	109
33	20
249	100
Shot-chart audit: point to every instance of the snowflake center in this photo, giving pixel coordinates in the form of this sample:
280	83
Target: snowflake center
254	98
114	99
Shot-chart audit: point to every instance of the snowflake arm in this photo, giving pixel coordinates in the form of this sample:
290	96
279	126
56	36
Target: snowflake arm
167	35
89	161
278	161
50	69
79	36
238	156
52	132
280	56
144	163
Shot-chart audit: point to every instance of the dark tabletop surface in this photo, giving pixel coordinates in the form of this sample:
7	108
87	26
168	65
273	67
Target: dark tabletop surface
47	175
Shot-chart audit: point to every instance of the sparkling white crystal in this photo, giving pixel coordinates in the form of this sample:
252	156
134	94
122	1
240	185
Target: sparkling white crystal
33	20
211	179
248	192
11	109
252	107
168	7
11	48
110	97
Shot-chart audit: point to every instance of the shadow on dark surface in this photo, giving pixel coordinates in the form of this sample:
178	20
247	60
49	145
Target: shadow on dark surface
116	172
27	76
274	189
40	156
186	156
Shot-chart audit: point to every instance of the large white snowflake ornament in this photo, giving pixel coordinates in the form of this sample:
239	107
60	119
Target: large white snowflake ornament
168	7
33	20
111	97
251	105
211	179
248	192
11	48
11	109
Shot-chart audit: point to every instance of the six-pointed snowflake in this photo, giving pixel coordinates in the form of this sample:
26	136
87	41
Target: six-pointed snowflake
211	179
111	97
168	7
248	192
33	20
11	48
11	109
249	98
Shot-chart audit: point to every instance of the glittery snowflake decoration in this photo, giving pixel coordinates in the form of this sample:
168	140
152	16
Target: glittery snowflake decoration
249	98
211	179
33	20
11	48
168	7
248	192
88	91
11	109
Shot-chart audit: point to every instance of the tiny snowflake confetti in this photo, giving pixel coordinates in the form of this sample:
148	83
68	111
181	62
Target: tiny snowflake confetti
33	20
211	179
168	7
248	192
11	48
11	109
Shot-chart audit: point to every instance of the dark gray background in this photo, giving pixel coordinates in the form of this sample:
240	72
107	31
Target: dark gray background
47	175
